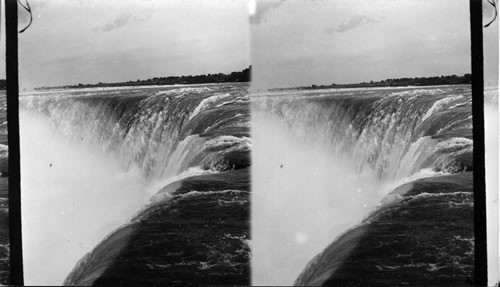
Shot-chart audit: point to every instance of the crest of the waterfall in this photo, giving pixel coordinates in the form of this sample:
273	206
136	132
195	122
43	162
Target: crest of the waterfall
205	103
394	133
160	131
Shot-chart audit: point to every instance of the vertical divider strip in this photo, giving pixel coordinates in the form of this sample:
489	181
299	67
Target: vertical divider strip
12	73
480	244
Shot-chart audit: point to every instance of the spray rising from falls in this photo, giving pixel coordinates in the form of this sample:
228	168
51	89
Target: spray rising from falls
329	157
164	140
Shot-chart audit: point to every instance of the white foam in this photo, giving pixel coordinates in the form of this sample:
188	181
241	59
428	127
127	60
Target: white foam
181	92
190	172
440	104
455	142
223	141
208	192
206	103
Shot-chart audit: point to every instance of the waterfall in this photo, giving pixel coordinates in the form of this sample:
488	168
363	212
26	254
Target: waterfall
323	160
93	159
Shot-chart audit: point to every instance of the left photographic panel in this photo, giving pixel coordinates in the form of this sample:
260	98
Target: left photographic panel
135	142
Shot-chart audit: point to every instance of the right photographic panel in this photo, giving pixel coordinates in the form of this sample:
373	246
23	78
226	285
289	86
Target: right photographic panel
362	153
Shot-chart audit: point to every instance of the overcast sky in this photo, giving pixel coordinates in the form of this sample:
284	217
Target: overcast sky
88	41
294	42
303	42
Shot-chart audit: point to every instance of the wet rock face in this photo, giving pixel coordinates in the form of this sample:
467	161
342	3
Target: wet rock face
422	235
197	234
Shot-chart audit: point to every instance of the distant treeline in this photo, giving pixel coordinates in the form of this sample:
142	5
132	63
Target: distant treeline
242	76
402	82
3	85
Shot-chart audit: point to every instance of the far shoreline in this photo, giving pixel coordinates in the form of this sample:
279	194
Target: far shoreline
242	76
289	91
397	82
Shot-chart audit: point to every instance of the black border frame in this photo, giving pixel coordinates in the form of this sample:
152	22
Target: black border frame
12	75
477	87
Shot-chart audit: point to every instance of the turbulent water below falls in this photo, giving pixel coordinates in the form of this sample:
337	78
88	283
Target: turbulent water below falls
136	186
334	160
